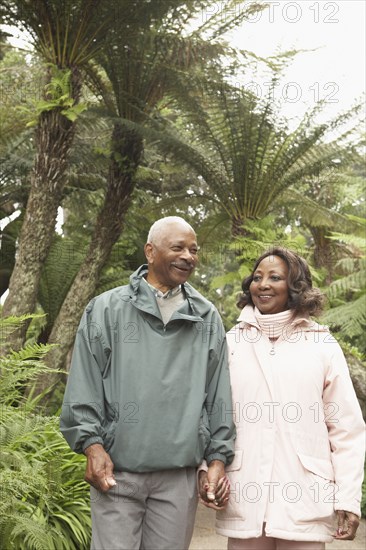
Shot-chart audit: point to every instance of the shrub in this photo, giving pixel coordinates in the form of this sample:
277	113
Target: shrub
44	502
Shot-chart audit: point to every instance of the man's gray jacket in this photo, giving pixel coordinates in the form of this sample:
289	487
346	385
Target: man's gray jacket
155	396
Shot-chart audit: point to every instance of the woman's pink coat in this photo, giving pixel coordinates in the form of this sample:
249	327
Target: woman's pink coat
300	434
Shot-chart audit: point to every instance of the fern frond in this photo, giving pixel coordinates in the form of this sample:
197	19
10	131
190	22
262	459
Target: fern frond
348	265
349	239
313	213
353	282
60	268
19	369
349	318
29	352
34	535
10	324
42	487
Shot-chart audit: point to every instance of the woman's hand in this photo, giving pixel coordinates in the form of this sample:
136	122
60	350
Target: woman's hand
347	525
221	494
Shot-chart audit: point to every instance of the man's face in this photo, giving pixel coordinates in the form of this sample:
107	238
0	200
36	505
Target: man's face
173	256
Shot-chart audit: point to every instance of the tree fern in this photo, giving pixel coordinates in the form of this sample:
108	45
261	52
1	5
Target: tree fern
247	156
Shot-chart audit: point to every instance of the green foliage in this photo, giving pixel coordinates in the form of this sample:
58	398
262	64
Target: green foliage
9	324
64	33
347	293
349	318
19	82
61	266
363	498
349	283
44	503
58	94
242	148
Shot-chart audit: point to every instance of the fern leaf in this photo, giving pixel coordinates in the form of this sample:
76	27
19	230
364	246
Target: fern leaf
353	282
349	318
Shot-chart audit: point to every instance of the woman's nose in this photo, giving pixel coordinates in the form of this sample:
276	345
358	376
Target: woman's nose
264	283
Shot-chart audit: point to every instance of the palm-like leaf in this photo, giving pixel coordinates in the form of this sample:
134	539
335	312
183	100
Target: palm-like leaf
349	318
351	283
315	214
246	156
62	264
64	33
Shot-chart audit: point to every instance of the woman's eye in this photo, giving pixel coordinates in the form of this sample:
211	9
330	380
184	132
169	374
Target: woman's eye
256	278
276	278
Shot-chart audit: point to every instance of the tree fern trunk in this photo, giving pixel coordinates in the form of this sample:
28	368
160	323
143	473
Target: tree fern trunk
54	136
237	226
324	252
127	147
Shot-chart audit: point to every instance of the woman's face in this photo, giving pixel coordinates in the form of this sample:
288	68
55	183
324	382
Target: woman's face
269	288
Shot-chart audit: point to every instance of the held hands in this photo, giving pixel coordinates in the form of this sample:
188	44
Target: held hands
347	525
99	468
214	486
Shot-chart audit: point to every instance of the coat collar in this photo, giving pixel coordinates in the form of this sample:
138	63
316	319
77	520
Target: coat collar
303	322
262	345
196	306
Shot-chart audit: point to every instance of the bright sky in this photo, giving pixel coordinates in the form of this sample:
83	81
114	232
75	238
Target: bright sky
334	72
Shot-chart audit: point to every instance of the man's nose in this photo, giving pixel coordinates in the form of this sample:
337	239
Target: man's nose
186	255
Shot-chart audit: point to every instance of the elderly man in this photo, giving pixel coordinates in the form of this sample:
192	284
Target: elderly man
148	397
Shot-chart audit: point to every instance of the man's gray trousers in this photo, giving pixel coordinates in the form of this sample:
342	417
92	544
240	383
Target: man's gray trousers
145	511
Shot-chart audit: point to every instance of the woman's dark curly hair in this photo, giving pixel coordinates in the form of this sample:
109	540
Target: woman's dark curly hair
303	298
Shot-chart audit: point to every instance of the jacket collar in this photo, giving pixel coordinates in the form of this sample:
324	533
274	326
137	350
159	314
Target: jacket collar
195	306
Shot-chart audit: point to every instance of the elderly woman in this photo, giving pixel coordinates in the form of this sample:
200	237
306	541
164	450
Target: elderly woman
298	464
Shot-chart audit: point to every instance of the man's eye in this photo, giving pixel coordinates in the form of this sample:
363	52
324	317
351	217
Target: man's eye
194	251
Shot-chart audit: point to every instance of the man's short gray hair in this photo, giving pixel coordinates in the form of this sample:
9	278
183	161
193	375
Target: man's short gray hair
158	226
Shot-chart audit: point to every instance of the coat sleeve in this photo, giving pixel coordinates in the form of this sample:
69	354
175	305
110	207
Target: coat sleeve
346	431
219	402
83	410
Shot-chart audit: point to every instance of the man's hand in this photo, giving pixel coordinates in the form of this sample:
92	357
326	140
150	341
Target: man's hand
347	525
214	486
99	468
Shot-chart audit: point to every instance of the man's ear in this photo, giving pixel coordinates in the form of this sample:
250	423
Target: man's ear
148	249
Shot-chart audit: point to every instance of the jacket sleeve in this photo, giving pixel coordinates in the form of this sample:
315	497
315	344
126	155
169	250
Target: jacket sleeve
83	408
219	402
346	431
